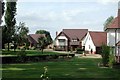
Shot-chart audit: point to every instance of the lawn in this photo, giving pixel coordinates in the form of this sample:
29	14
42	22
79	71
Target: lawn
69	69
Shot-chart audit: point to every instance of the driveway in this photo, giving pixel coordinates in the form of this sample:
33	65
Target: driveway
88	56
77	55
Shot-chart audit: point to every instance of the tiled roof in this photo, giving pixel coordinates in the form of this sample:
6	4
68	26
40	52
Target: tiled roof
33	38
118	44
98	38
115	24
75	33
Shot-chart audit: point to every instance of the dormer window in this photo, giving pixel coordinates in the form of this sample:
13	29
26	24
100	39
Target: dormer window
74	40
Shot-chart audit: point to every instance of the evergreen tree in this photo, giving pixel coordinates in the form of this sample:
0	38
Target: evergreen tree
10	20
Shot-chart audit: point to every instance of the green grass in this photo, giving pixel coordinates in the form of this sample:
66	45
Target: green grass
74	68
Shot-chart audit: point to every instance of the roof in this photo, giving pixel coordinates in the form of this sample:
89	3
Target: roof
118	44
75	33
113	24
98	38
33	38
61	34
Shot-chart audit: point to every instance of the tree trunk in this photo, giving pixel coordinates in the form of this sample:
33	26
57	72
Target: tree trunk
42	51
8	46
14	48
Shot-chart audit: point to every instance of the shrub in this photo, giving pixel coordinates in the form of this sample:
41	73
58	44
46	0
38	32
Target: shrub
105	55
79	50
111	58
21	55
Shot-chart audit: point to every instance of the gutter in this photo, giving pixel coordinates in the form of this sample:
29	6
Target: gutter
115	41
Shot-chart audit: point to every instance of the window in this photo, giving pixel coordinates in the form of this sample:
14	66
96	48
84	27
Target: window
62	47
74	40
89	47
89	38
61	40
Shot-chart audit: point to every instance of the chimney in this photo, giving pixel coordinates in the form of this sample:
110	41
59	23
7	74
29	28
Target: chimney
119	14
119	8
56	33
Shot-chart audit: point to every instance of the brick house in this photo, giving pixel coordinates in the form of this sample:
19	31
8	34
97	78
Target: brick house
33	39
70	39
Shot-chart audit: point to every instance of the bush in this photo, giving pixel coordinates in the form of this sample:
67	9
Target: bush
23	58
111	58
105	55
21	55
79	51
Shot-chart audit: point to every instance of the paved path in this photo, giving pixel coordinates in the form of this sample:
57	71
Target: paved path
88	56
77	55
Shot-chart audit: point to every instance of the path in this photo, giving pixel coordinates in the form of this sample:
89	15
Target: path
77	55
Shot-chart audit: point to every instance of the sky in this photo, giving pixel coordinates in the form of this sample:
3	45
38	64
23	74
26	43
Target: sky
55	15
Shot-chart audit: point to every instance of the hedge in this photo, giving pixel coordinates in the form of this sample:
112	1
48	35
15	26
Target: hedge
35	58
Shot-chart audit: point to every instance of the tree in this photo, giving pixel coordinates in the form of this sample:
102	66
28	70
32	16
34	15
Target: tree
108	21
20	36
47	35
3	7
4	35
42	43
10	20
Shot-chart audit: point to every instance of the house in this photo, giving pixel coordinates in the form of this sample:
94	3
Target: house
33	39
113	34
69	39
94	41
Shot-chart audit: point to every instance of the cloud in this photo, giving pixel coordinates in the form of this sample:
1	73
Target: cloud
101	1
55	0
55	17
105	2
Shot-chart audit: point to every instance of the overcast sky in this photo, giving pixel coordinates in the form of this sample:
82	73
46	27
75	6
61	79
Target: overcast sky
55	15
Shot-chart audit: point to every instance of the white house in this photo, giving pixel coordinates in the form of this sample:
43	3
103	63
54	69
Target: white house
113	34
94	41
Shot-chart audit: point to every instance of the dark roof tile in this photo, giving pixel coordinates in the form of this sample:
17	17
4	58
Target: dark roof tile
33	38
75	33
